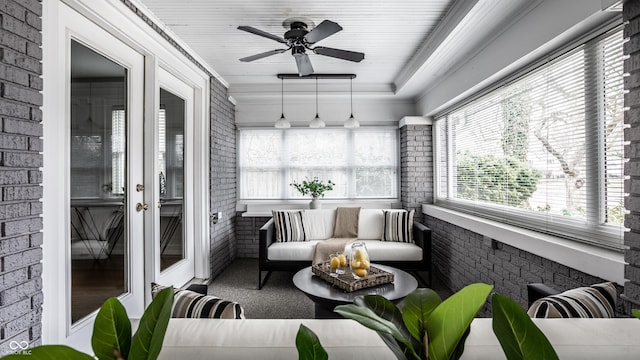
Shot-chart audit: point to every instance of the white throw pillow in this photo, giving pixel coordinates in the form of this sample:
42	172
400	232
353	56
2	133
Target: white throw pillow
318	223
370	224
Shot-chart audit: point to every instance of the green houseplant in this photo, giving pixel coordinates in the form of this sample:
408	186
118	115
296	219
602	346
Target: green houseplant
429	328
112	338
314	187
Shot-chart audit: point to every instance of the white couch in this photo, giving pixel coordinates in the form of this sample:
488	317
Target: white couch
196	339
318	226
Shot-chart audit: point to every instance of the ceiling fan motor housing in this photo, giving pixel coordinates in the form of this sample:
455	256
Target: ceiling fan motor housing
295	36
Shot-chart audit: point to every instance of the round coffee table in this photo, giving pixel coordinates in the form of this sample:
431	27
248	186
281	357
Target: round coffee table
326	296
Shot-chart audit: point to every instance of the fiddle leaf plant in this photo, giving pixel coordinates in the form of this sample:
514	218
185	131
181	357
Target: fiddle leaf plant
428	328
314	187
111	339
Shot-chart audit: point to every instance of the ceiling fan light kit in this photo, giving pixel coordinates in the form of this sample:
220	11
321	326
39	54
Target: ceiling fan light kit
298	39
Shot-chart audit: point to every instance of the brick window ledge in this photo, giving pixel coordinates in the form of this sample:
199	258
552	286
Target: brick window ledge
600	262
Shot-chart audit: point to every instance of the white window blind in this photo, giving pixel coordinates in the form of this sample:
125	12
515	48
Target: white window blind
544	151
363	162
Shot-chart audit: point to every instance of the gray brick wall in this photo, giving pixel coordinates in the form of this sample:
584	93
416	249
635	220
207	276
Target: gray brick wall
20	178
631	14
416	167
223	178
462	257
247	235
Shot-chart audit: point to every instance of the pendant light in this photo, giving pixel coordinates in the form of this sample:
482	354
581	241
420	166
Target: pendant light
351	121
282	123
316	122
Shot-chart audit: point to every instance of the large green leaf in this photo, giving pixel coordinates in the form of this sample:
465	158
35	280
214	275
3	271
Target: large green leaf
636	313
111	330
519	337
448	323
308	345
147	341
417	308
368	318
49	352
389	311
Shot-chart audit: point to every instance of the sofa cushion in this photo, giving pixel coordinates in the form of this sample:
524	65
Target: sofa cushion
318	223
292	251
190	304
392	251
346	224
398	225
289	226
370	226
596	301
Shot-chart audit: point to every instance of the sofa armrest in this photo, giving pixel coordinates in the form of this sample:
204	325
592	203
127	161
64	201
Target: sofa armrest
267	236
422	238
537	291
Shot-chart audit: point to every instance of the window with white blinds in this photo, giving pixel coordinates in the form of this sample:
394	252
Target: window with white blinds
544	151
363	162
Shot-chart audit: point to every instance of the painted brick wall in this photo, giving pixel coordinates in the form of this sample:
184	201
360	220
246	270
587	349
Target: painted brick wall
631	14
462	257
416	167
223	178
20	178
247	235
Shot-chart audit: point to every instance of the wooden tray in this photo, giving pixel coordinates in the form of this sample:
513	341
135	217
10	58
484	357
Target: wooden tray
348	282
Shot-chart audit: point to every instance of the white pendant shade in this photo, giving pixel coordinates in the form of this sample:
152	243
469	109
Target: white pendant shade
351	122
317	122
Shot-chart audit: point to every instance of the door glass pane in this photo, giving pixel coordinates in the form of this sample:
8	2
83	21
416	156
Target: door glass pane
98	155
171	177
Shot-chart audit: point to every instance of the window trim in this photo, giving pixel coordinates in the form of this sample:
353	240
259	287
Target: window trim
570	229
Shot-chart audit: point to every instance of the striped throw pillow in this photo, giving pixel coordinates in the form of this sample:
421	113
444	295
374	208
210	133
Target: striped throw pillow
289	226
190	304
398	225
596	301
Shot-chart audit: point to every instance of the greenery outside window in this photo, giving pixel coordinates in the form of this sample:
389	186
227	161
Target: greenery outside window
544	151
363	162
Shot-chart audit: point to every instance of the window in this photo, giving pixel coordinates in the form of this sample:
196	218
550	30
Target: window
362	162
545	150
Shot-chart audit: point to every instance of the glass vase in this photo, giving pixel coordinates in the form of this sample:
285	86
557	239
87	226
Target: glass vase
359	260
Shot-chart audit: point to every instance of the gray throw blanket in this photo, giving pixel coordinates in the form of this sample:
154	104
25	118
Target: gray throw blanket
328	247
345	231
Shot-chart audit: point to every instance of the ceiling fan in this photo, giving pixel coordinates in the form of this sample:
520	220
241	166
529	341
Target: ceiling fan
298	39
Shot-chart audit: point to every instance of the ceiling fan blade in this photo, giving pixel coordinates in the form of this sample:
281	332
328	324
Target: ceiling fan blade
253	30
340	54
323	30
304	64
262	55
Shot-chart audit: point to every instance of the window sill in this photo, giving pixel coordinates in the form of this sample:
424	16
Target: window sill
603	263
262	208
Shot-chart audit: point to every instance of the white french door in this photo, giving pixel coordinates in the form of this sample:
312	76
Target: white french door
170	168
126	144
93	162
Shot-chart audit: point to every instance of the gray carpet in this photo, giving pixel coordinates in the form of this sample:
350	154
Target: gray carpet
278	299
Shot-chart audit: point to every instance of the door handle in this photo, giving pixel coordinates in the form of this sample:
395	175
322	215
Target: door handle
141	207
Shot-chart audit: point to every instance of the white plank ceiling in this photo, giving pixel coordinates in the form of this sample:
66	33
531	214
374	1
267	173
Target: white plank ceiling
409	45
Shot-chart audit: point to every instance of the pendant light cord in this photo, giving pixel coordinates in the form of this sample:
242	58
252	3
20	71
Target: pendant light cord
282	97
351	91
316	96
